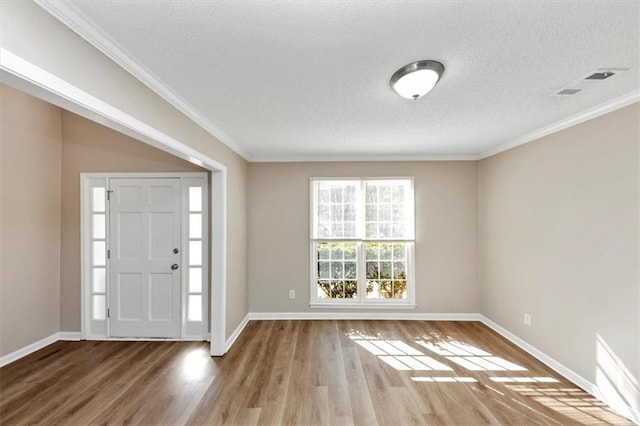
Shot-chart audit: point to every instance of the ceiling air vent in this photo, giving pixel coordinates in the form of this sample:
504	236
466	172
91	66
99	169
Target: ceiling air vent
568	92
586	82
600	75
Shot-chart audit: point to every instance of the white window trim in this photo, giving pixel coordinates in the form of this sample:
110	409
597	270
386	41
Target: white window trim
190	328
361	302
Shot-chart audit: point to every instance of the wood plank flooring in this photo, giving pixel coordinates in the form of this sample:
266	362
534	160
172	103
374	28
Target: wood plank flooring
299	373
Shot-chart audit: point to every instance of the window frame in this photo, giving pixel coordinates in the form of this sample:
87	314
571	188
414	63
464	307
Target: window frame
361	301
99	328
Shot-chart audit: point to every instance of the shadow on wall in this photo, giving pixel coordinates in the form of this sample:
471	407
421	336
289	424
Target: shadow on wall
616	385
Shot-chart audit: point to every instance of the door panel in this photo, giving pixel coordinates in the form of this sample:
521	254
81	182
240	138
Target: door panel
129	235
160	296
160	234
129	306
129	195
144	229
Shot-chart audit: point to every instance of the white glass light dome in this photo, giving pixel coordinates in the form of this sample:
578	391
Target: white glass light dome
416	79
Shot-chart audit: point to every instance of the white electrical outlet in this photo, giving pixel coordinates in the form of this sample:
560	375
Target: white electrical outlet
292	294
527	320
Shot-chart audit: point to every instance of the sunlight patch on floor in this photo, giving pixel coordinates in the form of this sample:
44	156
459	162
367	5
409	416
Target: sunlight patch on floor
194	364
399	355
445	379
574	403
470	357
405	357
524	379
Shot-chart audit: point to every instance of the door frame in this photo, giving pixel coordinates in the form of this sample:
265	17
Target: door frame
89	330
24	75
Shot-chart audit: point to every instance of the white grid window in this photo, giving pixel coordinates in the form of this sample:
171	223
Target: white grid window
98	232
336	210
362	238
337	270
386	215
195	233
386	266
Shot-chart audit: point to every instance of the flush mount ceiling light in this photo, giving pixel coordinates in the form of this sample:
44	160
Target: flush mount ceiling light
416	79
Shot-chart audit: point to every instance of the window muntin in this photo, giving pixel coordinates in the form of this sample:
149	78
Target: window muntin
386	266
195	233
336	209
337	272
386	210
362	234
98	247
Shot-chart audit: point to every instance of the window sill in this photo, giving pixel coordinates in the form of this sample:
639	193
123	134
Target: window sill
361	306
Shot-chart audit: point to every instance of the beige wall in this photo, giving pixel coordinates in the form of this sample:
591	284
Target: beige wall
32	34
446	232
80	146
557	219
30	159
558	222
90	147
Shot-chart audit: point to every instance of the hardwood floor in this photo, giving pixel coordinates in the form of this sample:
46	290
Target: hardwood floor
299	372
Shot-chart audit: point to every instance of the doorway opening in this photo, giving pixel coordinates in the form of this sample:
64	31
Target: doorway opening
145	255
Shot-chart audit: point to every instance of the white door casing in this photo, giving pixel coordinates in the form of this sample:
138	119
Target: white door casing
144	230
30	78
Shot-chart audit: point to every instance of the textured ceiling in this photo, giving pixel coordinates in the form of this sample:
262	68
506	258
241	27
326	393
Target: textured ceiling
310	80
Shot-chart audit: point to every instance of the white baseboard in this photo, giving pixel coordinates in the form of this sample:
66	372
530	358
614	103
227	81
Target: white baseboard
232	339
539	355
558	367
363	316
70	335
24	351
143	339
77	336
561	369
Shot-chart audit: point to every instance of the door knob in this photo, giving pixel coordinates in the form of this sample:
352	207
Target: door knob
176	251
174	266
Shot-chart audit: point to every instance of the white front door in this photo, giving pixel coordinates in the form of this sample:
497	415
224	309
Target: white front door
144	261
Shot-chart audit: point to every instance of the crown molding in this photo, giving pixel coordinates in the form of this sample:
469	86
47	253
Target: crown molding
70	16
581	117
63	94
359	158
